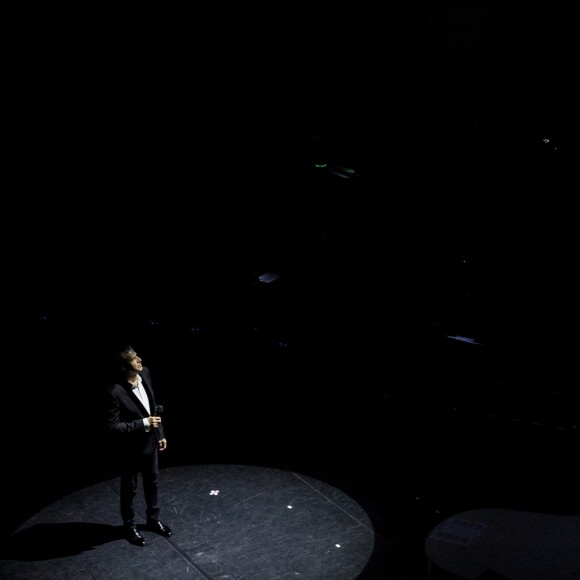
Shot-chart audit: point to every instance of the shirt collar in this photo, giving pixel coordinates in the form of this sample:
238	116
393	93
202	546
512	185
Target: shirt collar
138	384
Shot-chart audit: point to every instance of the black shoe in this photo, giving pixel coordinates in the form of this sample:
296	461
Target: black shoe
159	528
134	537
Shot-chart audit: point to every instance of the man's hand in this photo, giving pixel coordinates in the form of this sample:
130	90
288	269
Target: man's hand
162	444
154	422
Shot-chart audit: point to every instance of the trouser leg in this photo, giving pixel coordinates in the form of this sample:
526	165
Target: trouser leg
150	475
129	480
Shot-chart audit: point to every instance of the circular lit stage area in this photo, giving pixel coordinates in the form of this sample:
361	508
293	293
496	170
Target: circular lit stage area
228	522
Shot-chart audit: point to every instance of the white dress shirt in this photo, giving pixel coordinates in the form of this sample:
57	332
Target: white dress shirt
139	390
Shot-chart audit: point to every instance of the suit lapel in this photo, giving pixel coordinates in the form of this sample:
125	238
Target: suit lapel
131	394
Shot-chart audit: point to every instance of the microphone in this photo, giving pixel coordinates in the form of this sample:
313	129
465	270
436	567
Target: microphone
158	411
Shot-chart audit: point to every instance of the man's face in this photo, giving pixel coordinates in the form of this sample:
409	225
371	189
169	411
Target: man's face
135	362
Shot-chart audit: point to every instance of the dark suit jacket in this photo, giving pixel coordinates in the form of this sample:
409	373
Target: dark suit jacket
125	414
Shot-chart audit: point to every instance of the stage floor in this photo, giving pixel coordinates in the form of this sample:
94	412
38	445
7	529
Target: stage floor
228	521
321	499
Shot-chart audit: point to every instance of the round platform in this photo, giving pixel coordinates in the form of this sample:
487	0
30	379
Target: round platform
228	521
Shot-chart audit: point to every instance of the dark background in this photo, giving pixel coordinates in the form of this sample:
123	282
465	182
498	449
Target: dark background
159	162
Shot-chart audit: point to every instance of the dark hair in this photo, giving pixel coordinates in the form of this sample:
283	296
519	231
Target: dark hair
124	356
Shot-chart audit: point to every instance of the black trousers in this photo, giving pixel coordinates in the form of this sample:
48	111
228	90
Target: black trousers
145	465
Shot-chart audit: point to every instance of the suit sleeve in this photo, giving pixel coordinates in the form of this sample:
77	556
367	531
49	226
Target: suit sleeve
115	421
